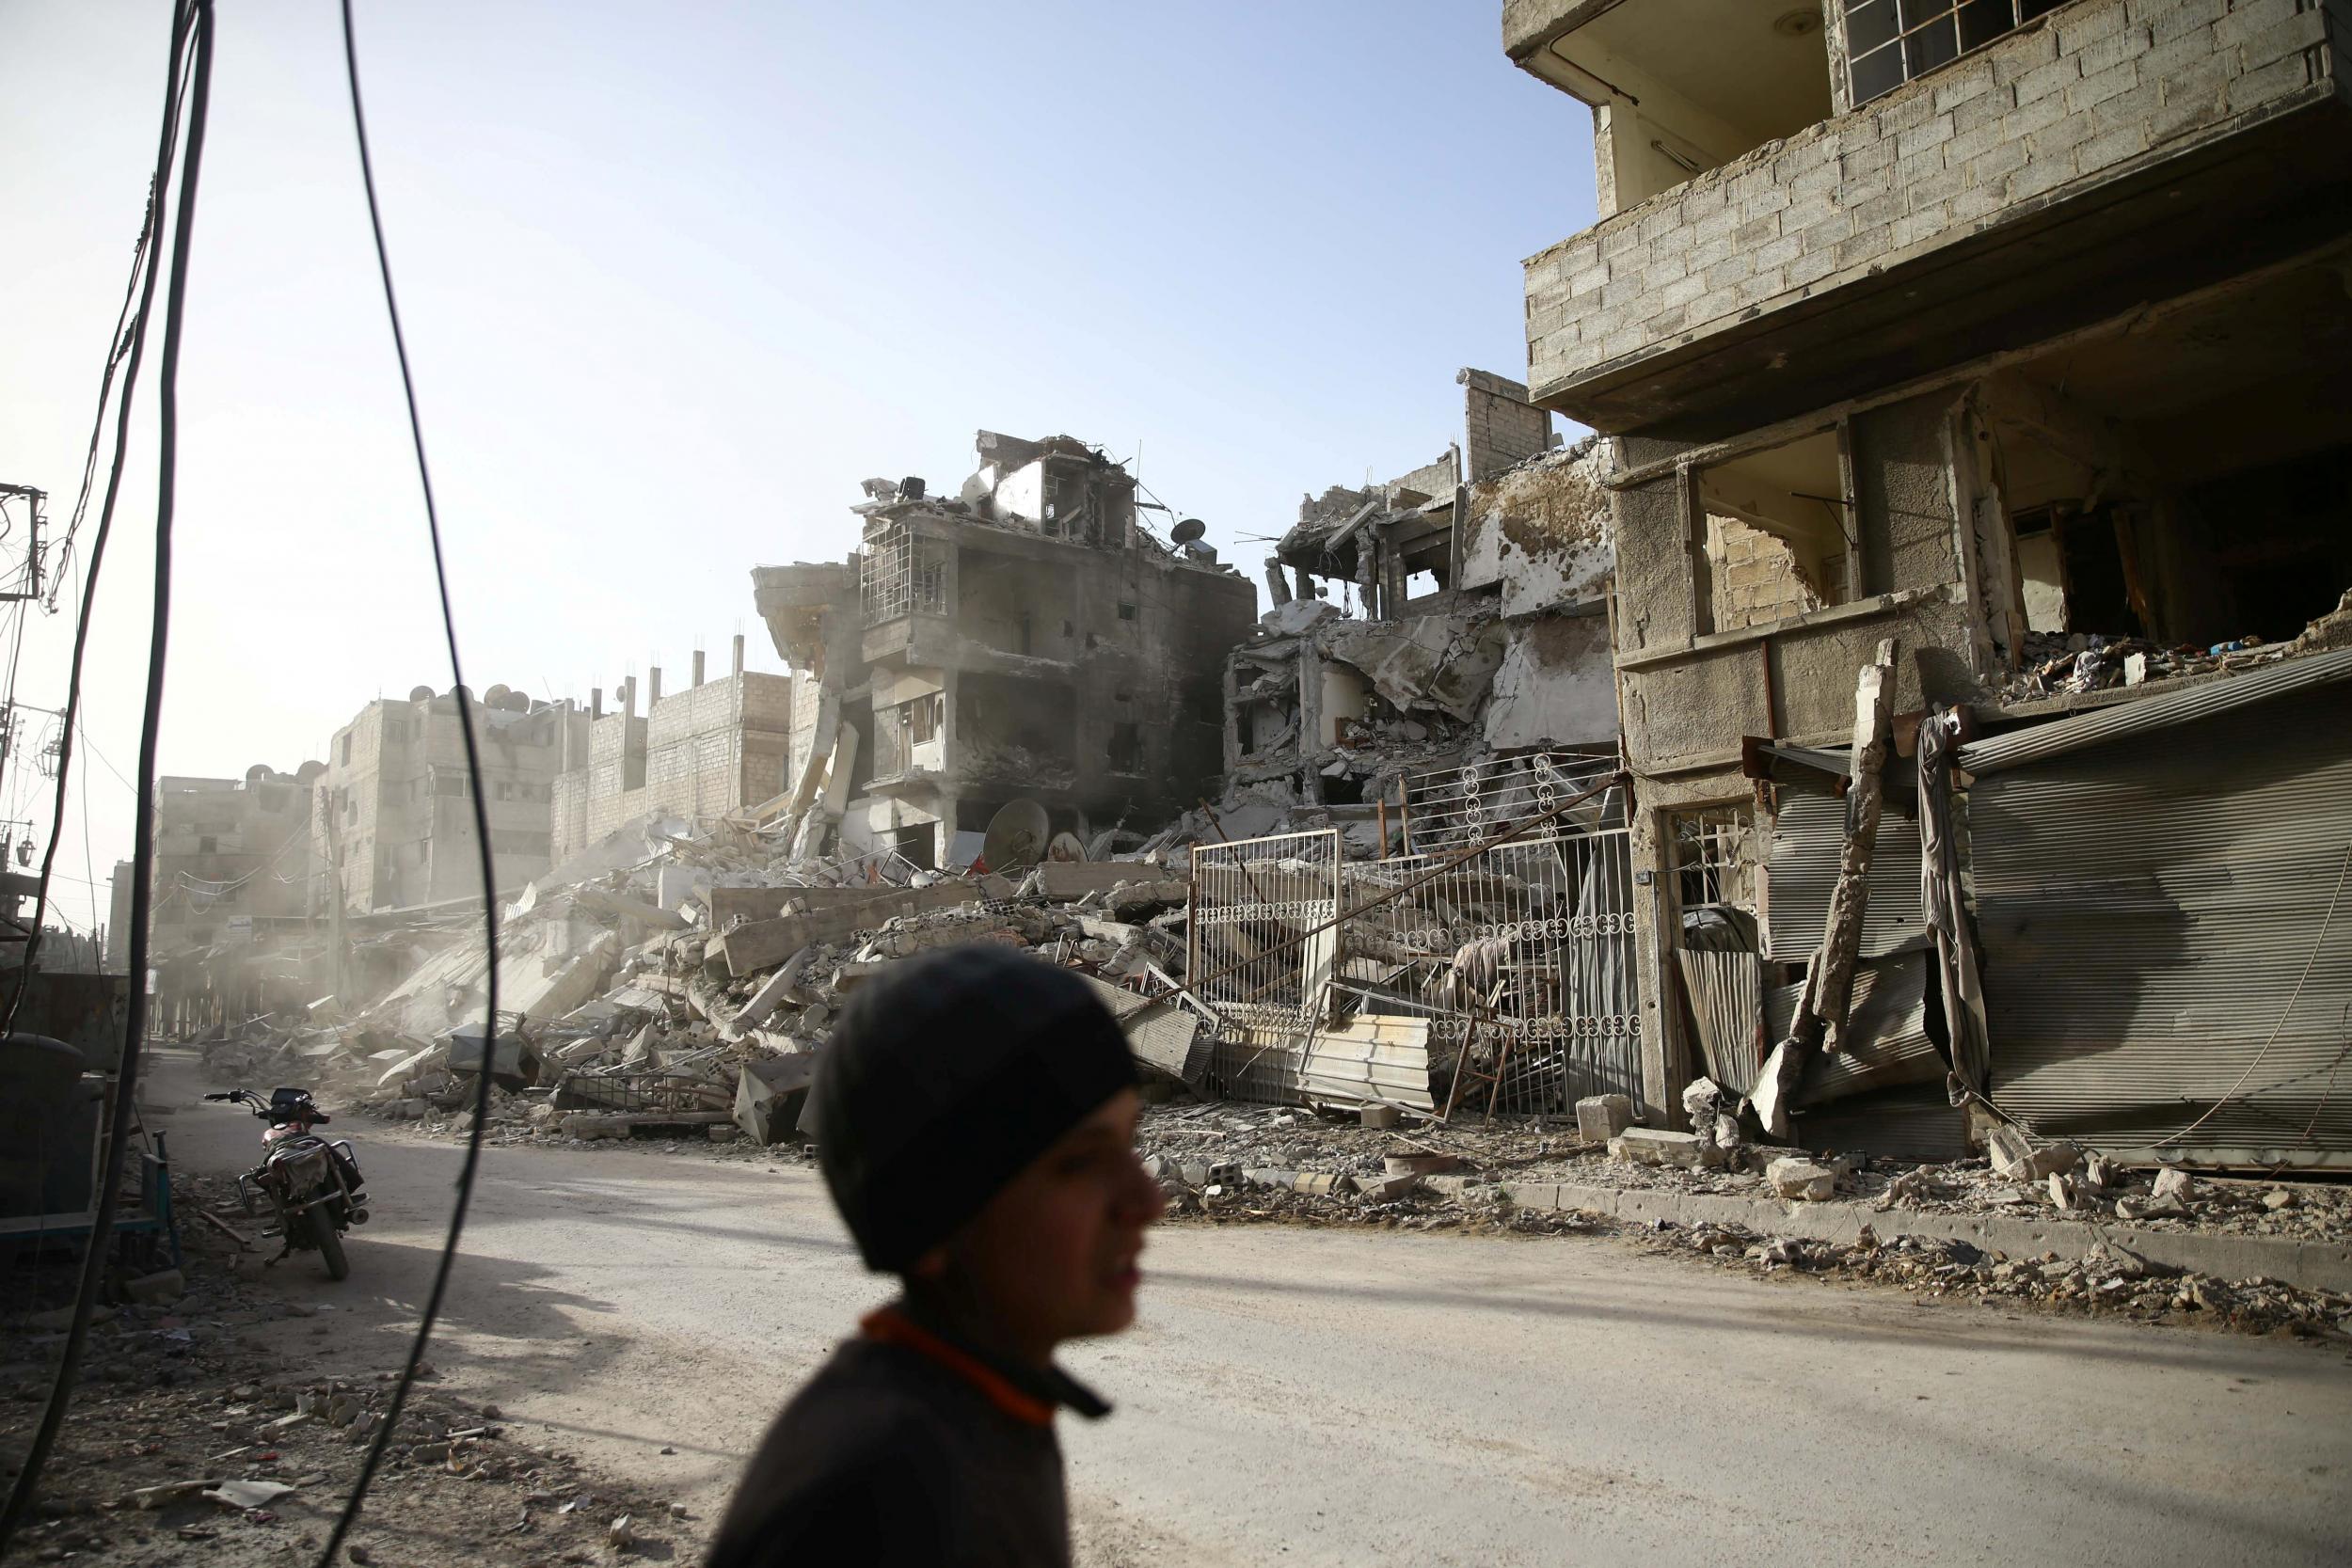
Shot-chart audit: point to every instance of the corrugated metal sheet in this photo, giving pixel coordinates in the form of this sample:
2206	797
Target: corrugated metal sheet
1886	1024
1370	1057
1809	836
1726	991
2157	713
1911	1123
2149	907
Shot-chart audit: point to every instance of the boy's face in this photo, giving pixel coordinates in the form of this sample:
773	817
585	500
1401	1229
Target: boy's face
1054	1255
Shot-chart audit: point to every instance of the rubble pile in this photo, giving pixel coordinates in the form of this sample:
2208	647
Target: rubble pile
2109	1277
2064	664
687	984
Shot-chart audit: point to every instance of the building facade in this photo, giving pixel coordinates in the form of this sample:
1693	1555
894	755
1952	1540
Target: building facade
2013	331
1029	637
393	825
716	747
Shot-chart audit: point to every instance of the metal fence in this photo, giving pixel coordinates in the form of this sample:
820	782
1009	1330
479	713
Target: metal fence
1453	808
1253	900
1530	943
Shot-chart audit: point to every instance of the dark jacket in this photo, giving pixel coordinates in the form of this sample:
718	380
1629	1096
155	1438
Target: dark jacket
908	1448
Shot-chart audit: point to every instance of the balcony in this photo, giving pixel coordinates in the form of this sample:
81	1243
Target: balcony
2044	181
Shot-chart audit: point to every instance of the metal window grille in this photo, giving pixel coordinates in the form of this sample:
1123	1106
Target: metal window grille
1531	942
1252	901
900	575
1889	42
1456	807
1711	861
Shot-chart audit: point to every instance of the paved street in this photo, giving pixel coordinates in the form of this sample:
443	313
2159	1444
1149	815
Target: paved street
1319	1397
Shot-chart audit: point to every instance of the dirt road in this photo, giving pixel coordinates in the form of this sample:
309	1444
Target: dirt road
1320	1396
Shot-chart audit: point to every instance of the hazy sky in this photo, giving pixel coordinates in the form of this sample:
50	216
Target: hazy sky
677	278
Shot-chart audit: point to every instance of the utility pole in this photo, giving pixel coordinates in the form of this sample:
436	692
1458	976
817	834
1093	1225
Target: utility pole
32	539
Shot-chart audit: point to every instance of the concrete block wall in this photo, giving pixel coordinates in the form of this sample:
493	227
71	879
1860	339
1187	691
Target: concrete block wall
2044	112
1500	428
1757	578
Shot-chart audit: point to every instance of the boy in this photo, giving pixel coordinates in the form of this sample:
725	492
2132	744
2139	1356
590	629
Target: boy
976	1116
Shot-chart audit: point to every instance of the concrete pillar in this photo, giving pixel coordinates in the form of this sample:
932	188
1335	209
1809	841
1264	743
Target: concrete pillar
653	688
628	697
595	701
738	653
698	667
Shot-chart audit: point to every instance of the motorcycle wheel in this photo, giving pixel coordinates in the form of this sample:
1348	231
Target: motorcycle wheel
330	1246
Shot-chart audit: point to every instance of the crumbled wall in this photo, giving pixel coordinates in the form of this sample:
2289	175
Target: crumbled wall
1542	532
1555	684
1757	579
1500	429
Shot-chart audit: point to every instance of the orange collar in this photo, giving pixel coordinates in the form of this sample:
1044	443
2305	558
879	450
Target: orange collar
890	1326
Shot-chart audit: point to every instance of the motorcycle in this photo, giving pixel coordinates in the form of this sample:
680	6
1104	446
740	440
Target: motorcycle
313	1183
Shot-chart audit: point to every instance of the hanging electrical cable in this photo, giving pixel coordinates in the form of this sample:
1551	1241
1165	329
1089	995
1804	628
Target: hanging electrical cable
192	25
482	838
158	189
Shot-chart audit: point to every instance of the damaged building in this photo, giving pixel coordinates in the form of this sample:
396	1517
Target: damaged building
1029	637
1454	612
2012	333
394	822
716	747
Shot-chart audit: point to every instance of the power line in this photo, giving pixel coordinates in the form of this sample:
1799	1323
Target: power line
481	836
196	22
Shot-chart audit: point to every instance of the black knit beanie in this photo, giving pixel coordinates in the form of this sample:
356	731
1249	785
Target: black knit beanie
944	1079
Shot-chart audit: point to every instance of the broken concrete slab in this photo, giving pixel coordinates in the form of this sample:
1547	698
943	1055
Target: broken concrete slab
1801	1180
1653	1146
1602	1117
2016	1156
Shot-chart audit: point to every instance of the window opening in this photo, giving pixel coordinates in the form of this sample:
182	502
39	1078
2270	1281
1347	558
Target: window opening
1126	748
1126	612
1711	864
1889	42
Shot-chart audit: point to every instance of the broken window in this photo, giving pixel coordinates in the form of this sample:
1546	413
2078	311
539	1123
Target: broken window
1774	534
1126	748
346	757
207	846
1713	867
1889	42
924	718
901	575
1126	612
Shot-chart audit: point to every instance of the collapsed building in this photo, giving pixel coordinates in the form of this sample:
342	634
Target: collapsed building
693	756
1028	638
2014	334
395	823
1456	611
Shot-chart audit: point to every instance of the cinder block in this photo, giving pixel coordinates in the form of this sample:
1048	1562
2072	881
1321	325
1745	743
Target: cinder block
2111	147
2040	175
2296	33
1928	136
2171	19
2042	81
2087	25
2275	80
2251	19
2113	50
2119	78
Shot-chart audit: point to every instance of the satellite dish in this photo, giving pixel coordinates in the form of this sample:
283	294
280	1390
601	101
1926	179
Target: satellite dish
1016	835
1188	531
419	693
496	696
1066	849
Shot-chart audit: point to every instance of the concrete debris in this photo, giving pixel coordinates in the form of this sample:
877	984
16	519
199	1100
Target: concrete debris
1651	1146
1802	1179
1602	1117
2016	1156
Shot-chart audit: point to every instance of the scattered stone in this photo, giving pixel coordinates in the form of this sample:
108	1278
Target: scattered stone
1602	1117
620	1533
2278	1198
152	1289
2174	1183
1802	1179
1652	1146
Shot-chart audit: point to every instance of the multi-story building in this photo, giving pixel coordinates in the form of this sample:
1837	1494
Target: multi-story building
715	748
2003	330
394	823
1455	611
232	860
1028	638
